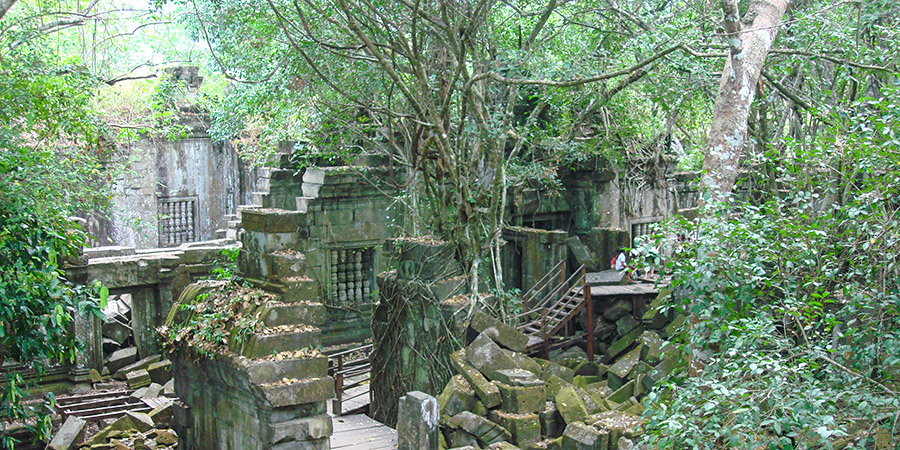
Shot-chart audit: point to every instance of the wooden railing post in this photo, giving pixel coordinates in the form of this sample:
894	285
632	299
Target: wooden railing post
589	304
337	404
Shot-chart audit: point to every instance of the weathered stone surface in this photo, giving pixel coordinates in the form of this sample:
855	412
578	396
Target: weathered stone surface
300	289
296	392
264	345
653	348
137	379
524	428
553	386
116	330
551	368
500	332
169	388
600	389
486	391
625	324
163	414
552	424
521	399
121	358
161	371
165	437
579	436
617	310
570	405
524	362
456	397
623	393
624	365
315	444
305	429
153	391
518	377
618	347
267	371
673	327
486	356
142	364
461	439
502	446
624	444
484	430
417	422
618	423
581	253
293	313
593	404
140	421
582	381
69	435
271	220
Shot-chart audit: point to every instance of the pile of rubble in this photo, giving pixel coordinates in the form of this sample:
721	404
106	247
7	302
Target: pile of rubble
502	399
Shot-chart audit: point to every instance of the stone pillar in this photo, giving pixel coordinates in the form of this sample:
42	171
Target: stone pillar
87	329
417	422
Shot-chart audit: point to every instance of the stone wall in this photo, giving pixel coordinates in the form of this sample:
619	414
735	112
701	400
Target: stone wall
173	192
153	278
340	218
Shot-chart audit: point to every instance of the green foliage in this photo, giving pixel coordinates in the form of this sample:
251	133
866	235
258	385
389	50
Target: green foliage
796	297
53	163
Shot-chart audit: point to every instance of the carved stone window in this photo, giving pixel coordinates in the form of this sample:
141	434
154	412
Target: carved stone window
177	221
352	275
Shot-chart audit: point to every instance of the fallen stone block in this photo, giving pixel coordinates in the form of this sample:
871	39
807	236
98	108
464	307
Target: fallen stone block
581	253
521	399
137	379
524	428
553	386
121	358
456	397
503	334
625	342
570	405
160	371
673	327
617	310
551	368
524	362
163	414
69	435
579	436
502	446
483	429
484	389
653	348
624	365
169	389
552	424
618	423
165	437
625	324
141	364
593	404
623	393
488	357
518	377
140	421
116	331
153	391
461	439
300	289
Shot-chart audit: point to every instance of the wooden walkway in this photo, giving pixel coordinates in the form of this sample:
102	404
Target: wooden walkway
361	432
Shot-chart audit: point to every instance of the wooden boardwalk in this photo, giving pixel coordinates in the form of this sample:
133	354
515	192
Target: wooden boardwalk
361	432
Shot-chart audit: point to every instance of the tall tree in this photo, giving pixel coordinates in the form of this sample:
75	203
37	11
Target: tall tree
749	40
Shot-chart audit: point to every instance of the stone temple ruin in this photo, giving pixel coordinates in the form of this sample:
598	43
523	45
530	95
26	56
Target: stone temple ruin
325	269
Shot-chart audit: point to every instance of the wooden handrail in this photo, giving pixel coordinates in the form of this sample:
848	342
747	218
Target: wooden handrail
568	289
549	298
338	370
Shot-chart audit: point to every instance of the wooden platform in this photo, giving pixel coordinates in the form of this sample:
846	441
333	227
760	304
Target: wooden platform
361	432
624	289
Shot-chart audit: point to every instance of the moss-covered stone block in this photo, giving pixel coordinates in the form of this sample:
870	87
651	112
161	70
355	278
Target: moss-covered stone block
521	399
456	397
484	389
570	405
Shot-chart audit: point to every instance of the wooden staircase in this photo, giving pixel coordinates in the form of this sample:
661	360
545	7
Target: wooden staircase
556	301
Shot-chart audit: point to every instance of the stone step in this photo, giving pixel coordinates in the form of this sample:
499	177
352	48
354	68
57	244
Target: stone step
300	289
301	431
295	392
265	371
309	313
273	340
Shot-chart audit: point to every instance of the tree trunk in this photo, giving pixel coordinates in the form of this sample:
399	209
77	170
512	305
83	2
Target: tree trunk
749	41
5	5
